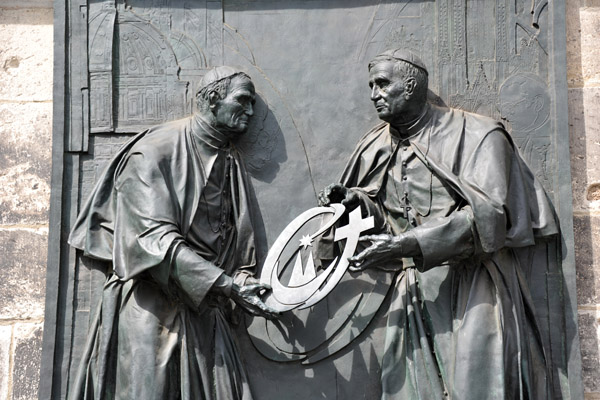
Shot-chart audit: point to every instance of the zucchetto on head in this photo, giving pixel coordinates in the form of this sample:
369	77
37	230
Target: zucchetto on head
216	74
402	55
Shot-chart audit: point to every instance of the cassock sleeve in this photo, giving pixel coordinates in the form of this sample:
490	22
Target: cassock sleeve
498	207
446	239
147	234
441	240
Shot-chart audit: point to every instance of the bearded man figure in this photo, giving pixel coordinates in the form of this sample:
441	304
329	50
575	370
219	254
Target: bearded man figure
460	216
171	214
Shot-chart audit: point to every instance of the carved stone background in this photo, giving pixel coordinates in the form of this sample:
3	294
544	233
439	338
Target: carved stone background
142	60
133	64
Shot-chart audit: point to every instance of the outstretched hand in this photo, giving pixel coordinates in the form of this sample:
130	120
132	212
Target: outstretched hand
247	296
384	248
337	193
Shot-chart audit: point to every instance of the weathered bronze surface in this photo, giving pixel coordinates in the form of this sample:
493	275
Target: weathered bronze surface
467	225
170	215
125	66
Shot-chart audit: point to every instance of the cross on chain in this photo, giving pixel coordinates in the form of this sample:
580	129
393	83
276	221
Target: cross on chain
406	206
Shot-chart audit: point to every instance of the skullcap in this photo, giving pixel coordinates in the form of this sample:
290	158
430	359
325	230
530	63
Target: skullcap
216	74
403	55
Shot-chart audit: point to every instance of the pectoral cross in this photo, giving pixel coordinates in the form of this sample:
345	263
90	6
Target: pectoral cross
406	205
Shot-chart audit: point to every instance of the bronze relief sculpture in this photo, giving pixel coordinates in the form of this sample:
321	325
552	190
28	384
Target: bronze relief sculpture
460	219
458	216
171	214
463	209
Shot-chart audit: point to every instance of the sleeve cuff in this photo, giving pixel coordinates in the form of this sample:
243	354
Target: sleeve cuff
444	240
223	285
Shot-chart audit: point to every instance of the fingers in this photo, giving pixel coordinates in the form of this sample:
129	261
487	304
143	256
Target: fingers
336	192
359	262
324	194
371	255
374	238
250	301
359	258
356	269
359	265
323	198
256	288
367	238
258	308
366	253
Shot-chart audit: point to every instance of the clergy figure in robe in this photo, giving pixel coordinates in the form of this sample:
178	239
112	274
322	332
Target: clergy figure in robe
171	214
459	216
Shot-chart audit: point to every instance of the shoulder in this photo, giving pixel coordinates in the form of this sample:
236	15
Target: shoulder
160	141
480	125
378	131
472	128
486	140
375	131
155	148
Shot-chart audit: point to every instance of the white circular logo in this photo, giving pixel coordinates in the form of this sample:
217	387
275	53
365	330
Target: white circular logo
306	287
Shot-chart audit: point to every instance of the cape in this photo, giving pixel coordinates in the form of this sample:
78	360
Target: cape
510	206
141	236
503	342
160	332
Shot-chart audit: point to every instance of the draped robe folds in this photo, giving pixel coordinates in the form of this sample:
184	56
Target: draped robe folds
171	214
461	323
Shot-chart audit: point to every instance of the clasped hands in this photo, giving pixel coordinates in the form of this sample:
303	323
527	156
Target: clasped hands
385	250
384	253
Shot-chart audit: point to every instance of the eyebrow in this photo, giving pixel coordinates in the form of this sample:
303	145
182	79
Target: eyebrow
379	78
244	92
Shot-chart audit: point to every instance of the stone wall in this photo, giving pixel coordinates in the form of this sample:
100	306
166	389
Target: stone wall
583	76
25	158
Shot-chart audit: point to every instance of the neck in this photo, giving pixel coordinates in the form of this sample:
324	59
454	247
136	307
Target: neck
203	127
414	124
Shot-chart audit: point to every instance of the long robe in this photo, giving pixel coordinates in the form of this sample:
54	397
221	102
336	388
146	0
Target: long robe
171	214
461	323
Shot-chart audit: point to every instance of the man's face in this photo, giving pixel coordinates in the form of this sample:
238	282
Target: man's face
387	91
234	111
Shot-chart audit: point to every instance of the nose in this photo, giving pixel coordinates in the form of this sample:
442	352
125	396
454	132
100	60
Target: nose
375	93
249	110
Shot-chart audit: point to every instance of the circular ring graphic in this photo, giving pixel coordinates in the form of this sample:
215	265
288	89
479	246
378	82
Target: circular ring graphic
306	287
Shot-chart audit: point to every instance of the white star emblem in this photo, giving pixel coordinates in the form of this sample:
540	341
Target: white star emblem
305	241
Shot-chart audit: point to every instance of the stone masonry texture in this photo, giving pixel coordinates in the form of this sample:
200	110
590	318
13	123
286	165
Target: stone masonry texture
5	344
22	275
26	52
25	140
27	353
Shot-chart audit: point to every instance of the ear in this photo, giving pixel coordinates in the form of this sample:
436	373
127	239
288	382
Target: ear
410	84
213	99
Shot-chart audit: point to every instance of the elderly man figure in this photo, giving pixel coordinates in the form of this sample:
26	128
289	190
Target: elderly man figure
459	215
171	214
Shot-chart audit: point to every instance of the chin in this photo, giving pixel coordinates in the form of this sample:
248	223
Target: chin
384	116
238	130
